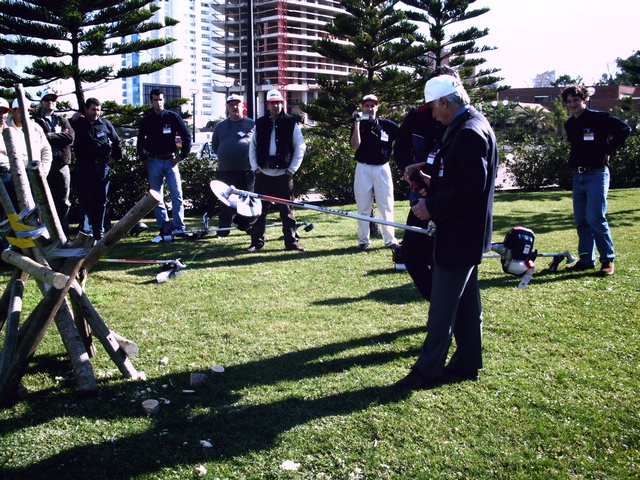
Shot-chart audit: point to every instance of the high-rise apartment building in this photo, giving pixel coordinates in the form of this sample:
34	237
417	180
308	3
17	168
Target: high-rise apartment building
283	33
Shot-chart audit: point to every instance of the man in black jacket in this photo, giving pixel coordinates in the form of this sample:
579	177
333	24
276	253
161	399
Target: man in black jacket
97	147
593	136
460	202
60	136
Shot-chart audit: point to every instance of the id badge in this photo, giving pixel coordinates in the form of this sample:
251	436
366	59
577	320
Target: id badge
100	134
166	129
384	136
589	136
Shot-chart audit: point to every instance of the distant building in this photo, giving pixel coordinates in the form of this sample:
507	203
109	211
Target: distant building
283	34
543	80
605	97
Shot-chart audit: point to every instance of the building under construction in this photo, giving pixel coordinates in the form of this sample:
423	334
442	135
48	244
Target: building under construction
270	40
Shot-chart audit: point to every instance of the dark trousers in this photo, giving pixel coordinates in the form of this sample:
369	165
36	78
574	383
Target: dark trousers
92	183
241	180
456	311
281	187
417	253
59	180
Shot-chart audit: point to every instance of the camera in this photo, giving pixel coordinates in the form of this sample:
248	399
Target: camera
361	116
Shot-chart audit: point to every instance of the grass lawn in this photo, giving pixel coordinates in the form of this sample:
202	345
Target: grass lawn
311	343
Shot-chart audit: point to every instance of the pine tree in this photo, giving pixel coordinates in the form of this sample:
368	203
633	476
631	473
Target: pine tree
455	51
63	34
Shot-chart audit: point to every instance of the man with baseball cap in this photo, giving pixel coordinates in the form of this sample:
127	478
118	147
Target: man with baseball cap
460	202
5	176
230	142
372	138
41	150
60	136
276	152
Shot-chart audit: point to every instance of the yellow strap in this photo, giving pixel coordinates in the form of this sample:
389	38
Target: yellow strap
26	242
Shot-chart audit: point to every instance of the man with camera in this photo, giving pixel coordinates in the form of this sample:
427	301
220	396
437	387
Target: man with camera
275	153
372	138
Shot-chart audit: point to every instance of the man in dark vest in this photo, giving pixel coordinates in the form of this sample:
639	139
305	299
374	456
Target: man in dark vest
276	152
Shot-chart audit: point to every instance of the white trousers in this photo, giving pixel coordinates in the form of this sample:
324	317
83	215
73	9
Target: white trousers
375	180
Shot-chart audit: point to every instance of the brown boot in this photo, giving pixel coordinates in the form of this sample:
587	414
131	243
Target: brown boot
607	268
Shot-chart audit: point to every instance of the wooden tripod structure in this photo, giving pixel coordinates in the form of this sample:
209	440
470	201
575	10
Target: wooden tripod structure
38	251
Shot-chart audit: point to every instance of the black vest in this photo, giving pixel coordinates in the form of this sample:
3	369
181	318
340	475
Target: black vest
284	141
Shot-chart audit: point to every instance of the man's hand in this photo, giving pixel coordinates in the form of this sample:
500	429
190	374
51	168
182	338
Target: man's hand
420	210
176	161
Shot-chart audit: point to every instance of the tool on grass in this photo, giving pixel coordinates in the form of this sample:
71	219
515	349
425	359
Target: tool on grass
169	269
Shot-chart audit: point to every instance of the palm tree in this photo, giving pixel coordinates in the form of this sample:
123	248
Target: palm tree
534	119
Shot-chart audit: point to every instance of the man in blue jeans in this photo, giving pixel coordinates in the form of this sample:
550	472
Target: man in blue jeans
593	136
157	149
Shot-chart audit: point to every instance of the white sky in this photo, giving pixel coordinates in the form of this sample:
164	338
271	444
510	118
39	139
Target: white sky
574	37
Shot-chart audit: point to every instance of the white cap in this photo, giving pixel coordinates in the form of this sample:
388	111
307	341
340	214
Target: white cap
15	104
274	96
4	105
49	92
234	98
441	86
370	98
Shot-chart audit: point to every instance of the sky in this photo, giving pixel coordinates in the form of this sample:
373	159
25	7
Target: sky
574	37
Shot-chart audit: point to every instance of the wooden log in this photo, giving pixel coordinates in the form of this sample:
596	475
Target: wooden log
33	268
11	333
6	295
102	332
34	329
83	240
44	200
14	144
129	347
120	229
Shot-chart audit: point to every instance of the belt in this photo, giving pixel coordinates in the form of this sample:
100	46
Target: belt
587	169
166	156
374	164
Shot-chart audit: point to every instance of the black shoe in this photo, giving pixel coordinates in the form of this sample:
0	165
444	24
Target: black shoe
253	248
460	373
578	267
362	247
415	381
296	247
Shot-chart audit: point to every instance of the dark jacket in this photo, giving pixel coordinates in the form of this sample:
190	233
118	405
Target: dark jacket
284	126
460	197
60	135
376	141
157	135
417	136
593	137
95	141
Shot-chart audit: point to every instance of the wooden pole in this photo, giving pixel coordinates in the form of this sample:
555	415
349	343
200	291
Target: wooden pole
13	141
120	229
44	200
39	272
11	333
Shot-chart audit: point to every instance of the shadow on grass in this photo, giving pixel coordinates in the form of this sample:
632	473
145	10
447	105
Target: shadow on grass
216	412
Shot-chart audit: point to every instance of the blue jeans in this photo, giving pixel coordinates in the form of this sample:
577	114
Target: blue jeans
159	171
589	210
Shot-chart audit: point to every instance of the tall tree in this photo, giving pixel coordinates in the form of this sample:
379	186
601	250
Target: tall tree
61	35
377	35
460	49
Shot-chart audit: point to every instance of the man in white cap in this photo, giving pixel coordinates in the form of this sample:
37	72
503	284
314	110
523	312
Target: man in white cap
460	202
5	176
372	138
41	149
60	135
276	152
230	142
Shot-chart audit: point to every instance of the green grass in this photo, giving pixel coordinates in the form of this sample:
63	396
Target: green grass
311	343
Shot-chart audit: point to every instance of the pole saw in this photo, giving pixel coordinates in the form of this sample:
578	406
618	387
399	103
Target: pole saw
233	197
